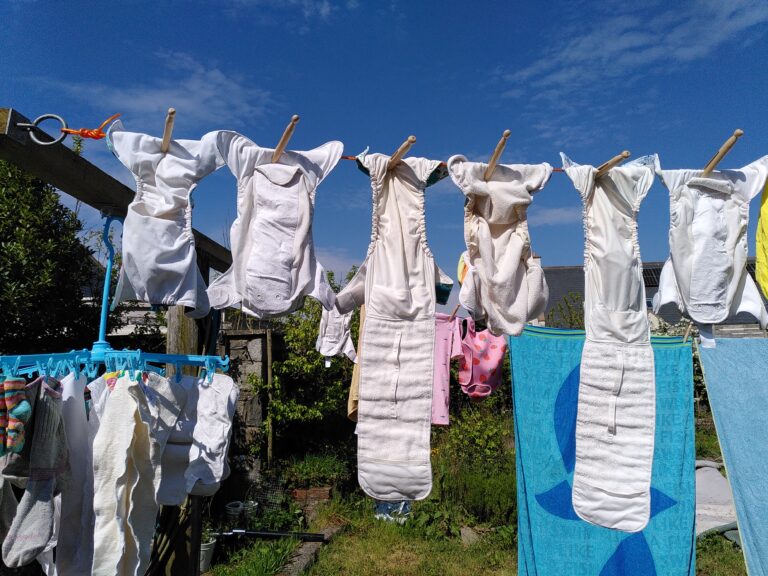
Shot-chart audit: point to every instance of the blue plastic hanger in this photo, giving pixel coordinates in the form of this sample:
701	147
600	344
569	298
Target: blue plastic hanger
101	353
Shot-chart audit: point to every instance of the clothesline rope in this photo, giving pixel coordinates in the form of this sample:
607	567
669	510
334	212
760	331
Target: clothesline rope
441	163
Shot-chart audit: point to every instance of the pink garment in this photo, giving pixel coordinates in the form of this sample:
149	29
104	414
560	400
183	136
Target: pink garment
480	369
447	346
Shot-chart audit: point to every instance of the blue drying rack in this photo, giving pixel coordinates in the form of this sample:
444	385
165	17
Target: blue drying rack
101	353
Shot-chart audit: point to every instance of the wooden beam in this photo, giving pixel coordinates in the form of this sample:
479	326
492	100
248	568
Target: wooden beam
73	174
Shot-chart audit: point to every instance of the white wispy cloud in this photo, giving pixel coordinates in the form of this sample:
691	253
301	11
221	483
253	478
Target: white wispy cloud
607	54
279	12
337	260
540	216
201	94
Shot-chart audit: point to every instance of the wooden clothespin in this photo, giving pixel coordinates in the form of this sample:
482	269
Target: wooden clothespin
453	314
168	130
280	148
394	160
724	149
496	155
602	170
688	332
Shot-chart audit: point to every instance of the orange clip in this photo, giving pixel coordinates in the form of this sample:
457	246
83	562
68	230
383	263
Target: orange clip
96	134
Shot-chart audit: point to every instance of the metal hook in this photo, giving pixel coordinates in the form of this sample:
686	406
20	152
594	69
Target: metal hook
35	124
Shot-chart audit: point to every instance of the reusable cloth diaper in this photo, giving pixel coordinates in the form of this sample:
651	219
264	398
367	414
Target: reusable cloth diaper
137	421
396	282
335	338
194	460
273	254
482	359
617	394
159	261
504	285
706	272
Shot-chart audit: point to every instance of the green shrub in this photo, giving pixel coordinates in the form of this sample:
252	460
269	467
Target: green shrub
288	517
433	519
260	559
315	470
474	466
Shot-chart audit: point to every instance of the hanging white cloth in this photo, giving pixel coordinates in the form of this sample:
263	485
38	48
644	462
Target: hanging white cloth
396	282
617	389
159	260
334	337
504	285
273	254
706	272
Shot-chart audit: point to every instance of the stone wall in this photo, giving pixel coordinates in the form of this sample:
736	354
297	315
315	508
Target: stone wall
247	351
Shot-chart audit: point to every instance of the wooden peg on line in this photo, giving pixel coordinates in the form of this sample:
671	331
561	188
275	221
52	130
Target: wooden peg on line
688	332
615	161
724	149
496	155
401	152
453	314
280	148
168	130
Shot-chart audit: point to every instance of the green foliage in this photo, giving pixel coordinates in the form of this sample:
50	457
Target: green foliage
478	437
306	402
436	520
503	538
315	470
288	516
263	558
277	510
707	444
474	465
43	268
717	556
568	313
371	546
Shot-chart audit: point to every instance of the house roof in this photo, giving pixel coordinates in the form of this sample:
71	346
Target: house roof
563	280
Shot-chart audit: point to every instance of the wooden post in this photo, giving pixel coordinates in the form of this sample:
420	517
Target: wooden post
270	425
181	339
196	520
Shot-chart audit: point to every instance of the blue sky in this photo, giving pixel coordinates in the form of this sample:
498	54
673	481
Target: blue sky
587	78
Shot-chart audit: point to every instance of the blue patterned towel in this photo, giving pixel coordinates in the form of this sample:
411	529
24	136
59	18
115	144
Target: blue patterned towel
736	373
552	539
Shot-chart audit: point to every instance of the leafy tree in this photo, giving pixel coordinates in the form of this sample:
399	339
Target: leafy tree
43	269
568	313
306	405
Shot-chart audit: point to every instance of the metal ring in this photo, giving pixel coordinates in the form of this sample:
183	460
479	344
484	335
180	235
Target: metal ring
36	123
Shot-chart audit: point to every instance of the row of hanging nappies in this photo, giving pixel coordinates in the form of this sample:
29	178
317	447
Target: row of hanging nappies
274	268
100	458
